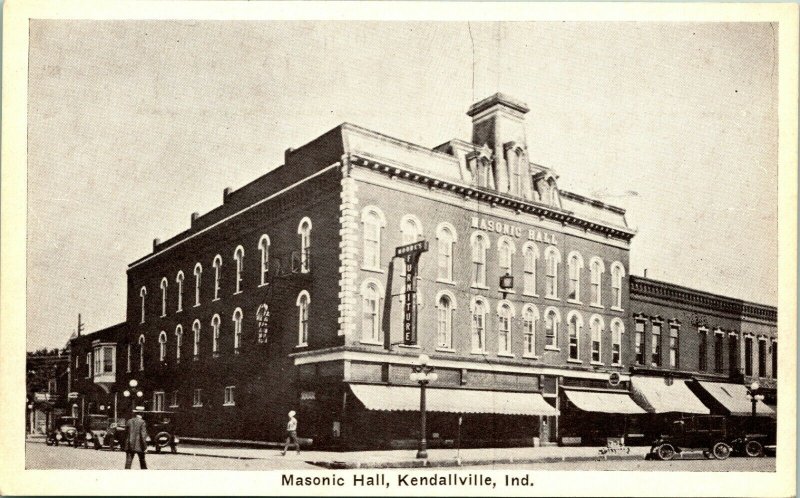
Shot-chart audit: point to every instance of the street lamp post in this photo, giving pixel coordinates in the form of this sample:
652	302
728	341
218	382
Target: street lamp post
754	393
132	393
422	374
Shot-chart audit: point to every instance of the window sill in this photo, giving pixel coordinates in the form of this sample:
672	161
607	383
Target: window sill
530	294
598	363
197	406
228	404
237	292
505	355
372	269
598	306
616	364
552	298
196	358
577	362
552	348
215	299
372	343
163	316
482	353
530	357
302	345
445	350
179	311
215	355
446	282
237	351
481	287
574	301
174	406
614	308
410	346
196	305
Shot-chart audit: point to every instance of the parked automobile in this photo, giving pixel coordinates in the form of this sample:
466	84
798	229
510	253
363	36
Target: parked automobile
697	432
94	431
161	427
64	430
115	434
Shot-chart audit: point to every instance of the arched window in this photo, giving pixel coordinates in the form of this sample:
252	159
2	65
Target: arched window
530	254
263	246
411	229
238	257
163	297
178	343
552	321
262	318
237	329
198	272
575	264
597	268
552	258
303	302
141	352
617	328
215	321
530	318
617	274
445	304
505	314
596	326
372	221
217	264
371	295
162	346
179	280
129	359
304	230
479	309
480	244
575	324
505	249
445	238
143	294
196	330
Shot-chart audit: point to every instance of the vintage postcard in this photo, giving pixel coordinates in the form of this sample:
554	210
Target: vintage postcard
399	249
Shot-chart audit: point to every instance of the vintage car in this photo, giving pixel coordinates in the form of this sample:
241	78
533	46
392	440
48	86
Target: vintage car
64	430
161	428
707	433
94	432
115	434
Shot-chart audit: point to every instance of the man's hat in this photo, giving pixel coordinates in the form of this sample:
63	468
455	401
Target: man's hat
292	413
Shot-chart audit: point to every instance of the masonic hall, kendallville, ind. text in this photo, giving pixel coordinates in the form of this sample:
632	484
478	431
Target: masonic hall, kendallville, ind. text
290	296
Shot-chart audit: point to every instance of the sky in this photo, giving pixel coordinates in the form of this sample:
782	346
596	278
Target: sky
133	125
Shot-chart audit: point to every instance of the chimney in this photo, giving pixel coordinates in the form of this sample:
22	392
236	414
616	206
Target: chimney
195	215
156	242
645	273
225	194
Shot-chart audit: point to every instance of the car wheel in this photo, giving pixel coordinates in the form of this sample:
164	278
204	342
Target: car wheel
753	449
666	452
721	451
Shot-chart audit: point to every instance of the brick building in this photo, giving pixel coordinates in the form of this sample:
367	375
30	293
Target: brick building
288	296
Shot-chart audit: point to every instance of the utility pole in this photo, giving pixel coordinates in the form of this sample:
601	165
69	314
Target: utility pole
80	325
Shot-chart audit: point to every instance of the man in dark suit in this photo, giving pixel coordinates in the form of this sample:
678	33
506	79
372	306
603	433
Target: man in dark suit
136	438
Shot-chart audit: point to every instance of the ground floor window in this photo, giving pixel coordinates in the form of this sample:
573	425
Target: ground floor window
174	402
158	401
229	396
197	399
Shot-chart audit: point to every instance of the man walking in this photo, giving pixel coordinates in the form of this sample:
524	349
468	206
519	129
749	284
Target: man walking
136	438
291	433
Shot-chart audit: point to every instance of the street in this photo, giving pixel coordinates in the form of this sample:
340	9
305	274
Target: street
689	465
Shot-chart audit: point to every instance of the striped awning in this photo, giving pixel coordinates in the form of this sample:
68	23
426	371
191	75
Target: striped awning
603	401
661	395
403	398
733	397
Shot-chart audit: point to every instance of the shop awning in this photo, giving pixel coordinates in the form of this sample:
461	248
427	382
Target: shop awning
603	401
403	398
733	397
660	395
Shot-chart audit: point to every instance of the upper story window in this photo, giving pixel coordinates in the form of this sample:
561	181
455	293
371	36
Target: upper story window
198	272
748	355
179	280
262	318
733	352
575	324
552	321
505	251
372	221
371	296
617	328
196	342
215	322
238	257
480	244
674	350
505	314
639	342
143	295
445	304
88	365
304	230
774	359
129	358
596	327
596	270
303	303
655	344
575	264
702	346
237	329
263	247
411	229
178	343
530	319
719	340
479	309
141	352
217	264
617	274
552	258
445	238
162	346
530	254
163	297
762	357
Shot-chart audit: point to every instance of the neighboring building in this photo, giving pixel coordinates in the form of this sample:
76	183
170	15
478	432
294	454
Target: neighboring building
46	386
288	296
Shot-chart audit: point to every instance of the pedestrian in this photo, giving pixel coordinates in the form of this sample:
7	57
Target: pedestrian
291	433
136	438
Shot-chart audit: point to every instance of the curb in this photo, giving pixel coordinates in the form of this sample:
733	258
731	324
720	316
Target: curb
406	464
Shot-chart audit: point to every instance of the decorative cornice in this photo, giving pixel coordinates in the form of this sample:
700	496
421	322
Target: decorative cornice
493	198
663	290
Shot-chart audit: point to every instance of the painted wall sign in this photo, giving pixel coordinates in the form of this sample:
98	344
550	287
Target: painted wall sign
513	231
